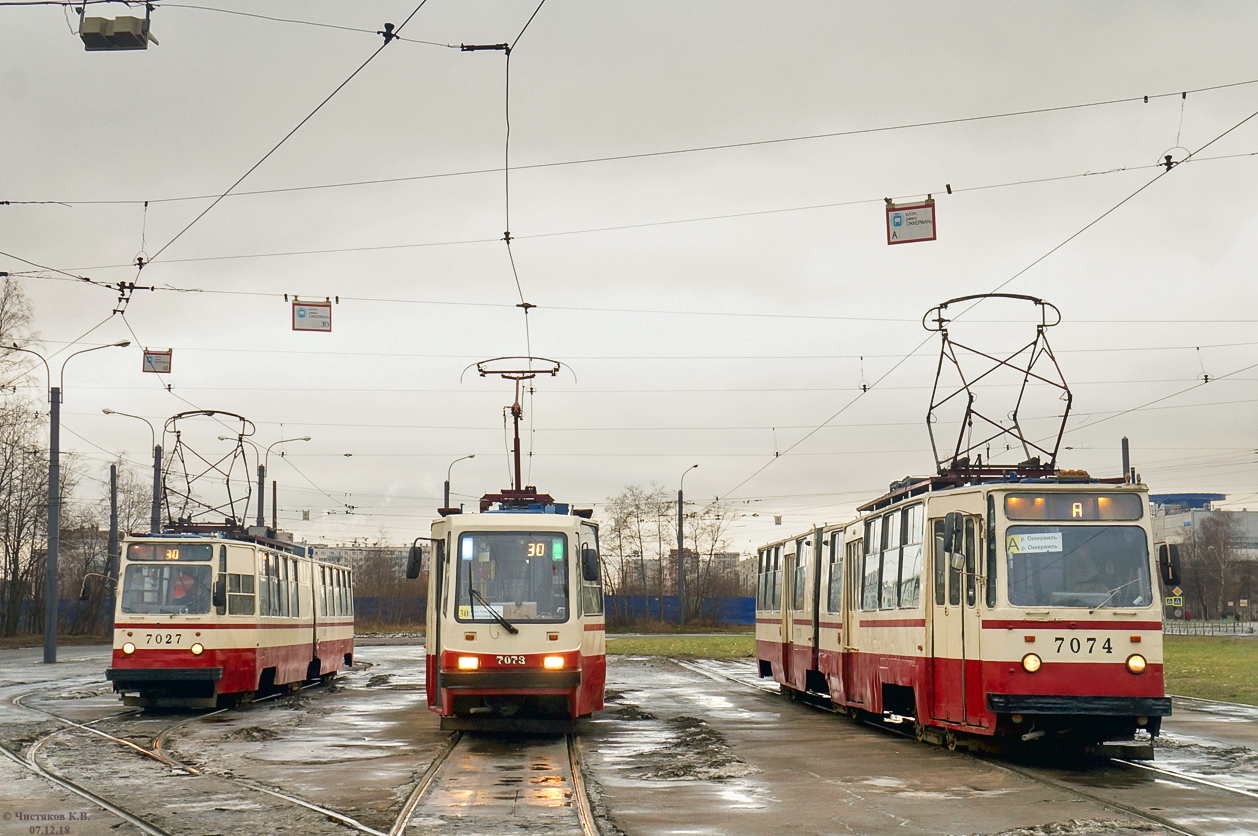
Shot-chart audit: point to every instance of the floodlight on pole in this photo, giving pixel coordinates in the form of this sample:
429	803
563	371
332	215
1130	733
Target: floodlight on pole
446	502
51	597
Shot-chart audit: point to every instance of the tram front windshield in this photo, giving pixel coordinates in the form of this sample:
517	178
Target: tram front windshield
166	589
1096	566
516	575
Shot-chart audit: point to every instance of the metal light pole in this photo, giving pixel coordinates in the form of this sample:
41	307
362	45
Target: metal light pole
446	503
681	549
155	514
263	459
51	597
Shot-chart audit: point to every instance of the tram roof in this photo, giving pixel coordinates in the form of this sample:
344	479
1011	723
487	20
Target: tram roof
913	486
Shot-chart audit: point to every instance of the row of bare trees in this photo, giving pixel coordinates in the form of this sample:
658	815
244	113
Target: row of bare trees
638	543
1215	575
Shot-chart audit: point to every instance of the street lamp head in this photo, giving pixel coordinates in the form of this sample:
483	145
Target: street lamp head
122	344
107	411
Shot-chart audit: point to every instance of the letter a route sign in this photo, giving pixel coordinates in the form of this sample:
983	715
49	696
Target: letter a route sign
910	222
312	316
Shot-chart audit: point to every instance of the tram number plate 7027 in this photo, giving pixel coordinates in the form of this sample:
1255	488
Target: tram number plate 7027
162	638
1088	645
511	660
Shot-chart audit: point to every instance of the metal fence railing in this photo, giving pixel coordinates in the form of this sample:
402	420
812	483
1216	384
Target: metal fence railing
1209	628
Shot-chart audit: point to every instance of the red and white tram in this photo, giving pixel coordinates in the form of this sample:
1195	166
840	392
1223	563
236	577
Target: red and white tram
1011	609
516	634
206	619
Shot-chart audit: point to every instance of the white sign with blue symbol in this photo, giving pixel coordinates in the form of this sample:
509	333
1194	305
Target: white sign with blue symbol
910	223
308	316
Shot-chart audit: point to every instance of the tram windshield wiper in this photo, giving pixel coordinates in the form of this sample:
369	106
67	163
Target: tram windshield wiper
511	628
1112	593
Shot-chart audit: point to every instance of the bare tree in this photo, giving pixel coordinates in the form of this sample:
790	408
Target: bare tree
707	576
639	534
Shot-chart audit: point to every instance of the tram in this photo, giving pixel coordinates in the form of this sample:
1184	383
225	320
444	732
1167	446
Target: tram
987	604
516	639
212	617
1021	610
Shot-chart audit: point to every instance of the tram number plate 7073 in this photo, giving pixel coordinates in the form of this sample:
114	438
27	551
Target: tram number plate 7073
511	660
1075	644
162	638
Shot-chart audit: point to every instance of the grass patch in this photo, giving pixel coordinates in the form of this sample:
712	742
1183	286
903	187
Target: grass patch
733	646
1212	668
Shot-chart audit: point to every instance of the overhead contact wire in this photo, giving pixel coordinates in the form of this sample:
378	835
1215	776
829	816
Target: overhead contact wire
287	136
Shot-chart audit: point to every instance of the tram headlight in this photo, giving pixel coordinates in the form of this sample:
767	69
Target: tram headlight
128	648
1136	663
552	662
1031	663
468	663
198	649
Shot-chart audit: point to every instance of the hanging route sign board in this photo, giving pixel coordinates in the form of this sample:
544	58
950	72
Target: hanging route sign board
915	222
157	361
312	316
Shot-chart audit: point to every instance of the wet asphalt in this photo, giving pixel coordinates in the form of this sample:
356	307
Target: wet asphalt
678	750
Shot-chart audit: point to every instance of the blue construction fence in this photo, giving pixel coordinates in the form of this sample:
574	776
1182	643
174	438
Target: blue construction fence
626	609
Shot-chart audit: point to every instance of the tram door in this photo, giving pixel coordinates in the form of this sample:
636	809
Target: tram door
955	626
791	560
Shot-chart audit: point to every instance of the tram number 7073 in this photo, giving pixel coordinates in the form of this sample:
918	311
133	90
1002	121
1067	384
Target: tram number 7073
511	660
1077	645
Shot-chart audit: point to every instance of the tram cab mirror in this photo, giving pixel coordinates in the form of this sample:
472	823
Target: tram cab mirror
950	542
1168	562
589	564
415	562
220	592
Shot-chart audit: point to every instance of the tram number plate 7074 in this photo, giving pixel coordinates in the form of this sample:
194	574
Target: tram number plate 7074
511	660
1088	645
162	638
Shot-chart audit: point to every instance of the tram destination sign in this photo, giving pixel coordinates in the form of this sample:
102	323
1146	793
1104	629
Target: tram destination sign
910	222
312	316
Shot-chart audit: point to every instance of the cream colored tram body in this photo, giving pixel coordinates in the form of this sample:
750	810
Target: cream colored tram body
210	619
1007	610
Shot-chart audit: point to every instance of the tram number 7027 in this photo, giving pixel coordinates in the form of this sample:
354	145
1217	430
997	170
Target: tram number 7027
162	638
1077	645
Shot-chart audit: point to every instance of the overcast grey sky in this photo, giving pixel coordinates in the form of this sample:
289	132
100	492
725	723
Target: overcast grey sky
714	306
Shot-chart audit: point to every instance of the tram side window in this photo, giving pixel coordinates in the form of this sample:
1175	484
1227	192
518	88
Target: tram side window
240	600
834	592
970	560
871	569
991	550
349	593
591	591
264	585
294	589
911	558
801	572
941	562
777	577
892	539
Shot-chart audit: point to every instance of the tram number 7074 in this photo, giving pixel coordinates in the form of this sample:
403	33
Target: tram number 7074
1076	644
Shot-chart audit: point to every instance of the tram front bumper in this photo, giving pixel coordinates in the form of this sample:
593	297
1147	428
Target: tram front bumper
144	676
511	681
1081	705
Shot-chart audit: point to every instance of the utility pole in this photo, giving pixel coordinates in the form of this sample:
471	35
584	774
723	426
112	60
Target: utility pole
681	549
52	599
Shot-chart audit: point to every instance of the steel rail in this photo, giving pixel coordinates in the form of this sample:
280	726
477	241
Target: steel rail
408	809
584	812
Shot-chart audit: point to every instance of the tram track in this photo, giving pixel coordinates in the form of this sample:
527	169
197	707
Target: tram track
1143	813
156	752
529	782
